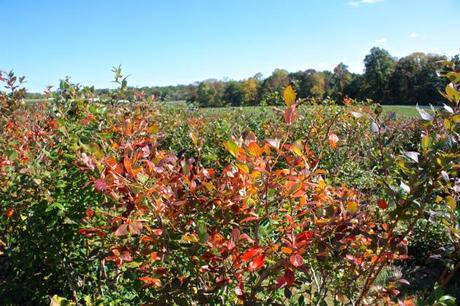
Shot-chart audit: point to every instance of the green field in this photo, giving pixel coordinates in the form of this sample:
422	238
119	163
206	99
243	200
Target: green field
403	110
400	110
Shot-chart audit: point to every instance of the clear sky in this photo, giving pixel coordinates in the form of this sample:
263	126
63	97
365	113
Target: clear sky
166	42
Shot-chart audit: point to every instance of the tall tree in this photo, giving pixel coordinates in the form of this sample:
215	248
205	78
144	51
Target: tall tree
415	79
379	66
340	79
249	88
233	94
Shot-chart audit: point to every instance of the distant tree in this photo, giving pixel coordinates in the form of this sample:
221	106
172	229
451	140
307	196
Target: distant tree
415	79
379	67
233	93
456	60
319	85
340	80
412	79
271	88
355	88
304	82
210	93
249	88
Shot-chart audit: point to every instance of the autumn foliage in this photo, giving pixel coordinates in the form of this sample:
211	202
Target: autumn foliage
271	222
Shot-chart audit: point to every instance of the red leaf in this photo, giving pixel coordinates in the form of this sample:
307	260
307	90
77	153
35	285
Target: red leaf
157	231
239	291
290	114
90	232
154	256
236	235
135	228
100	185
150	281
9	213
296	260
89	213
122	230
289	275
382	204
250	253
248	219
257	263
286	280
307	235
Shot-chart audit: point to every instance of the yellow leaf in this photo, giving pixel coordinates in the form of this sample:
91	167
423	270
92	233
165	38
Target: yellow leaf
209	186
194	139
243	167
153	129
255	174
352	207
297	150
451	202
289	95
190	237
321	185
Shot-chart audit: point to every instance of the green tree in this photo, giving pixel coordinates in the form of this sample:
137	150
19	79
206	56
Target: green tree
415	79
340	79
233	94
249	88
210	93
379	67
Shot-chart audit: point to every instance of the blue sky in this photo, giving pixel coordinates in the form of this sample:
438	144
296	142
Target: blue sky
162	42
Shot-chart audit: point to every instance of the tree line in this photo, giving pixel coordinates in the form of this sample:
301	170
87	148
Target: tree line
386	79
409	80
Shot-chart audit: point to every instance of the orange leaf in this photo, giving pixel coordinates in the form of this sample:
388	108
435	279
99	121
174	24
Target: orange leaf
255	149
154	256
249	219
333	140
286	250
9	213
127	164
150	281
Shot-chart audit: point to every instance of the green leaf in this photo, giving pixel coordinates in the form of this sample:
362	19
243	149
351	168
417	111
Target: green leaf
231	147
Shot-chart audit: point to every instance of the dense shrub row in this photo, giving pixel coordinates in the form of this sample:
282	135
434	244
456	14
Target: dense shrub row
141	203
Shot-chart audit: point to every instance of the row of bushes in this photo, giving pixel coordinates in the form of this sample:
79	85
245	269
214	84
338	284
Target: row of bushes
149	204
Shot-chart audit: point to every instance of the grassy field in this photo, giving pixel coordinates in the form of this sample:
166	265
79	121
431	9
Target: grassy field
402	110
